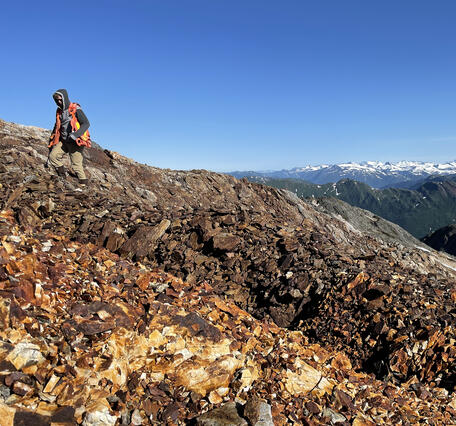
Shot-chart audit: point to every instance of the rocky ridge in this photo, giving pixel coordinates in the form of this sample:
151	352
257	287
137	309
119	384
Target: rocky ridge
265	249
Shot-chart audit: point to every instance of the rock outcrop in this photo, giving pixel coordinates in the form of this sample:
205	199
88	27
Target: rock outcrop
131	301
443	239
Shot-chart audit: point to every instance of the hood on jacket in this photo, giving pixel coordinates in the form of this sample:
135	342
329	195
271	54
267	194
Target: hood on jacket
66	100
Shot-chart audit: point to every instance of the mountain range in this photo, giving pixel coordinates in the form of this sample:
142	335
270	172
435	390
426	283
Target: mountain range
376	174
157	296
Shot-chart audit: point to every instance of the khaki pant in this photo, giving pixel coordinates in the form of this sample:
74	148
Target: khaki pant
75	152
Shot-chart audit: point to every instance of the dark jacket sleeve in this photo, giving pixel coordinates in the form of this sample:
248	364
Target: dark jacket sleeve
83	122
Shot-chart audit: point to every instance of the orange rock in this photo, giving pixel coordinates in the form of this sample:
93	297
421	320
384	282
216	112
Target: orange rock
341	361
7	415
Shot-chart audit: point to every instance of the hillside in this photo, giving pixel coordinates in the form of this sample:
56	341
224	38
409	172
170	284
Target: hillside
376	174
428	206
157	295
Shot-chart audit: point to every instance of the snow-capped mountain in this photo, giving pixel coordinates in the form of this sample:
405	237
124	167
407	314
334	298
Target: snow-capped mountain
375	173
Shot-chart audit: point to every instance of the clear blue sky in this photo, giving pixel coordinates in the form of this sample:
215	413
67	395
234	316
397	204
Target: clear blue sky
240	85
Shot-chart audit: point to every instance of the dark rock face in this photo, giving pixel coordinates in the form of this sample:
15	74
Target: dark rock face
198	327
390	307
443	239
258	412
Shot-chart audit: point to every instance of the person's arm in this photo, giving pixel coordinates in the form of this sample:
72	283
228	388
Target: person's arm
52	136
83	122
53	132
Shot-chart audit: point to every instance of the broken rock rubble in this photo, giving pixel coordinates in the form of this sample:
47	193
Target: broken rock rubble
93	339
389	307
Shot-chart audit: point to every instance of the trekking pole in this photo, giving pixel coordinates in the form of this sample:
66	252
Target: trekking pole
46	166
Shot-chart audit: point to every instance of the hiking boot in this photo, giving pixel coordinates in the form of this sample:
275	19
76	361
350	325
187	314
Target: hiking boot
61	171
83	181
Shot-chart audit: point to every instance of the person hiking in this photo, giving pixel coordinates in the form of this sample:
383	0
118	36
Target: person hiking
70	136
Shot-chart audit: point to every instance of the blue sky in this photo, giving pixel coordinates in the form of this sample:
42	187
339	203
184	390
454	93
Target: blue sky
240	85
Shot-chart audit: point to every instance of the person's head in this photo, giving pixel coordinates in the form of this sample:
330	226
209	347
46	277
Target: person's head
58	100
61	99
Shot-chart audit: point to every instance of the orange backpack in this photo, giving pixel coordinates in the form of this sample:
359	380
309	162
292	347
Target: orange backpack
84	140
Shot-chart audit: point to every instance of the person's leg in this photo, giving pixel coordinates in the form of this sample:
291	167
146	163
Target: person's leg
76	158
56	156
